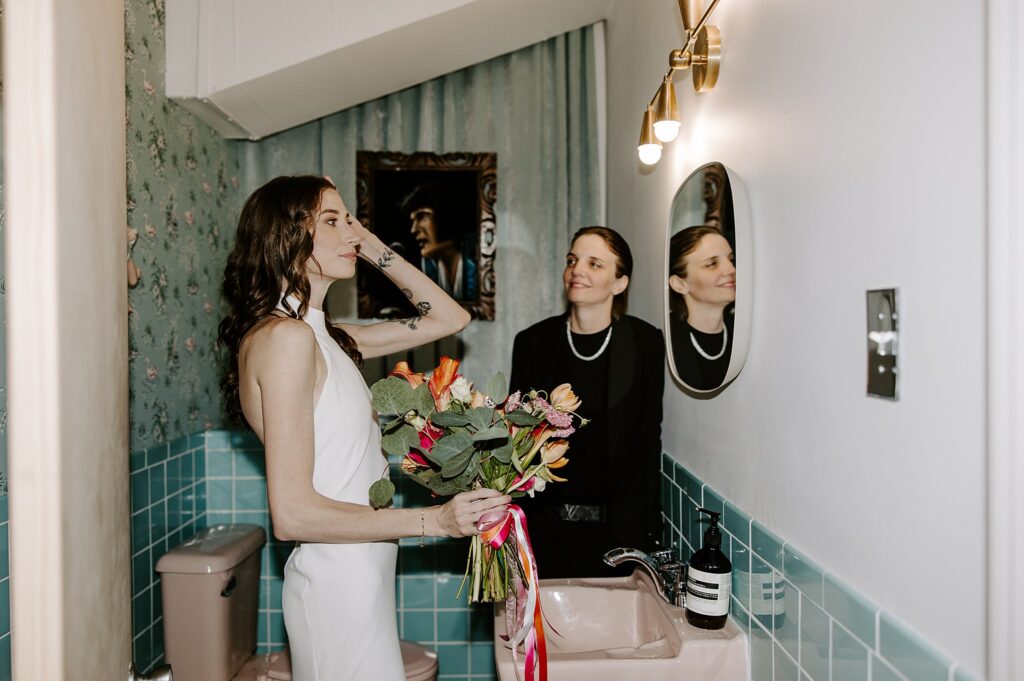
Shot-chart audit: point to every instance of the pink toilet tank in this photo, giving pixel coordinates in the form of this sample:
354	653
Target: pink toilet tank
210	588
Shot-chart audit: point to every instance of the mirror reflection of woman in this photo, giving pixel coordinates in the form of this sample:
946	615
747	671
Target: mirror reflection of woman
615	364
702	279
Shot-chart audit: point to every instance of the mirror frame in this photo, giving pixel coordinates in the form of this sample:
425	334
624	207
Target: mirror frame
744	250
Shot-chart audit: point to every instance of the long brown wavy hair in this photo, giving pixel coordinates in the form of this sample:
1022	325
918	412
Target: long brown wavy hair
273	242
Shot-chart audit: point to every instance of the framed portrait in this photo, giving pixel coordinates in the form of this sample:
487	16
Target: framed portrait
436	211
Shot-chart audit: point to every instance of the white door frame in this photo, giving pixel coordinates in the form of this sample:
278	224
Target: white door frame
1005	339
67	313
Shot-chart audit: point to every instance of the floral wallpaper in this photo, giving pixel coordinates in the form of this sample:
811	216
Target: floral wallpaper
183	201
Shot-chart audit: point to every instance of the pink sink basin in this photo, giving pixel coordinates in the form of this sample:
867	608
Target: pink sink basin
619	628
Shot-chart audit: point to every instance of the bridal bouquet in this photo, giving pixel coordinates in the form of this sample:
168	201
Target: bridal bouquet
455	438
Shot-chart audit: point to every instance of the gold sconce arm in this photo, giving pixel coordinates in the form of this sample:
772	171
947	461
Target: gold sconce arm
702	54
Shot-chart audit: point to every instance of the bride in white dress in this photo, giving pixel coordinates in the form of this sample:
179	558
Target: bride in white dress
293	377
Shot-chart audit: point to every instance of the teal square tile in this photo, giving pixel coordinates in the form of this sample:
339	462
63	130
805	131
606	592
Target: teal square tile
908	653
140	530
804	573
264	592
5	606
177	445
250	495
197	440
173	475
737	523
157	638
452	625
218	439
245	439
174	512
275	622
881	671
143	649
766	545
481	623
785	667
156	454
418	626
219	464
142	571
713	501
4	517
452	659
277	555
666	496
158	521
850	609
5	658
140	490
5	552
814	639
137	461
693	528
448	586
418	592
263	628
276	588
761	664
200	495
786	610
481	658
214	518
675	508
200	464
158	482
250	463
849	656
764	593
188	505
187	464
142	610
219	495
740	557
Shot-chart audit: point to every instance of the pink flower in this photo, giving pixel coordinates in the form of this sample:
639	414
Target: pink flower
513	402
559	419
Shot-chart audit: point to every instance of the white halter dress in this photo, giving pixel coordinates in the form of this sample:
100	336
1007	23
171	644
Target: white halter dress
339	599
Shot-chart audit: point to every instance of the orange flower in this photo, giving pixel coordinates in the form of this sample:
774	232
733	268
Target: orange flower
402	370
443	377
564	399
553	451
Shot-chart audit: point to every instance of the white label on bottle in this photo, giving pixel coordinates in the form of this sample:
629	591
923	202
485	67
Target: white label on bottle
708	593
767	594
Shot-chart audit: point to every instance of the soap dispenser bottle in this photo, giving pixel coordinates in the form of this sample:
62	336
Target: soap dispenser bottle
709	580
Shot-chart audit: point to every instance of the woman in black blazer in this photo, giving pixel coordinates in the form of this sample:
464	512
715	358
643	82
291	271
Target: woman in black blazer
615	364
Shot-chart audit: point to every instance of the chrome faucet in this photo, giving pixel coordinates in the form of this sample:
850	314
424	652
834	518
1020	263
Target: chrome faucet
669	574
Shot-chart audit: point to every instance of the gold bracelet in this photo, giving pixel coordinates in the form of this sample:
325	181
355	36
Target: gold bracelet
423	525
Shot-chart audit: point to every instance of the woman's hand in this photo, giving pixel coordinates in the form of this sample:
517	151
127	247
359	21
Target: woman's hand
458	517
369	246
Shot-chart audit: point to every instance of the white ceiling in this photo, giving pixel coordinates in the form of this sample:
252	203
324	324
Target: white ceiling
251	68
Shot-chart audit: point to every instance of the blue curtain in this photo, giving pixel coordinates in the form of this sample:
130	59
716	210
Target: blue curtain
537	109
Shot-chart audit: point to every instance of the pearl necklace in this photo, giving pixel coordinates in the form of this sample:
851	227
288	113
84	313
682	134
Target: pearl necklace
698	348
568	336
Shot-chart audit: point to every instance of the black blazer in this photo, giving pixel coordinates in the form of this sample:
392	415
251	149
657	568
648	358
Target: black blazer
635	389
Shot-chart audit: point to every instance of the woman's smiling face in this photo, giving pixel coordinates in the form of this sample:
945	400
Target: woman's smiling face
590	272
710	273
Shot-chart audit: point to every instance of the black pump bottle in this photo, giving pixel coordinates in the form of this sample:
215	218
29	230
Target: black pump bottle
709	580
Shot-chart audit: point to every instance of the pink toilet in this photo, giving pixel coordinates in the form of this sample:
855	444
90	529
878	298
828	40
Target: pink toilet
210	587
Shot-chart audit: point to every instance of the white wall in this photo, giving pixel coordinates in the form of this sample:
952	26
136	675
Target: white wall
859	131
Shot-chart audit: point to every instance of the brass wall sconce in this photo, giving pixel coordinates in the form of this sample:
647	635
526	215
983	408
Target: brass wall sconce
702	55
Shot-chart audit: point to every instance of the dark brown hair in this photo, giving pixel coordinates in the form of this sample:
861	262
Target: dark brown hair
273	242
681	245
623	261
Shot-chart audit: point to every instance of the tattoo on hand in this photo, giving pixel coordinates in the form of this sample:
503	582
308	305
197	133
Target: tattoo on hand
408	293
385	258
423	307
411	322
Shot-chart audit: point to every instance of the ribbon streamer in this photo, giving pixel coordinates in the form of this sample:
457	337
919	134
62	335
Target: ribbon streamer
528	621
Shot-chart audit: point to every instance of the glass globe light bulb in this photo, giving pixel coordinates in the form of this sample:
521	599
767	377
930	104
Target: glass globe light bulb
649	153
666	131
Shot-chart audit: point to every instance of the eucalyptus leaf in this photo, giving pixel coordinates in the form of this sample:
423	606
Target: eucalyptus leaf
393	395
492	433
391	425
503	453
496	388
465	479
423	401
445	488
450	445
521	417
516	463
381	493
480	417
399	442
457	464
447	419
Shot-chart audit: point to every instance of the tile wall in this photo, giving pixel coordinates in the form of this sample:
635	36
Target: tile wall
168	491
5	594
803	623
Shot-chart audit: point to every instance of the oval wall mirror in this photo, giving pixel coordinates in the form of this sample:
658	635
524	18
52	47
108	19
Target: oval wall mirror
708	280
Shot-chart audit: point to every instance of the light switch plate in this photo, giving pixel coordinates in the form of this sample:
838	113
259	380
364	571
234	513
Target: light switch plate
883	343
